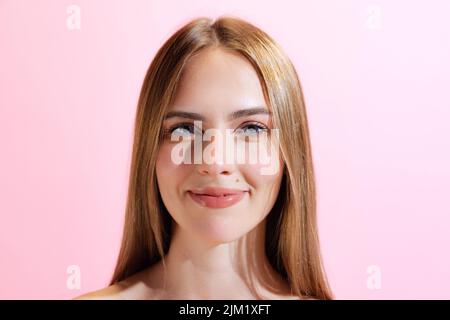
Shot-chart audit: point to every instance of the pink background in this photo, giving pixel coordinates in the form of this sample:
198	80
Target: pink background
377	93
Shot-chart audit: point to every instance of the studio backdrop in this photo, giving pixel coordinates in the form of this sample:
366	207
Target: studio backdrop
375	78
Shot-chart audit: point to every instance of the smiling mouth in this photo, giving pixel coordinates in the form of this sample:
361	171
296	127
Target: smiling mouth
217	197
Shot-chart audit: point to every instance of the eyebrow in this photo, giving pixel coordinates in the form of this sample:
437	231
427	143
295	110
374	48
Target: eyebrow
234	115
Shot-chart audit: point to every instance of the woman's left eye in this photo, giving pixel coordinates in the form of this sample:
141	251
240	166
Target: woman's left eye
253	129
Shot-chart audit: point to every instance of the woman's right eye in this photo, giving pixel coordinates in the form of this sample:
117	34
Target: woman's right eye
182	129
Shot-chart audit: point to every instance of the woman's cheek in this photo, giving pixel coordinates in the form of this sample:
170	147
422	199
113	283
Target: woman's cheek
268	167
265	177
165	169
253	175
171	175
164	157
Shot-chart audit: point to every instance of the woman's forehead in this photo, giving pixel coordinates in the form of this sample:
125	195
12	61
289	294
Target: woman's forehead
221	80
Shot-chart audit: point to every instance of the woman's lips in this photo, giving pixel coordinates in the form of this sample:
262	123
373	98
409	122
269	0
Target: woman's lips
216	197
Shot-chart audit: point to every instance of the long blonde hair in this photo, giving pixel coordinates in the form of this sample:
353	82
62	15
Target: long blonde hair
291	237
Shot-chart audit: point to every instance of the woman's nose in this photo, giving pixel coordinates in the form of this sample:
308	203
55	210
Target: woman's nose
214	160
216	168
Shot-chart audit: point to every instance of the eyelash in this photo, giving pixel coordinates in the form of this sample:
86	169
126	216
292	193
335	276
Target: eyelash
168	132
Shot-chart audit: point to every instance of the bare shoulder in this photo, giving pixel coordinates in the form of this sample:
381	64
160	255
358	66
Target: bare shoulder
135	287
113	292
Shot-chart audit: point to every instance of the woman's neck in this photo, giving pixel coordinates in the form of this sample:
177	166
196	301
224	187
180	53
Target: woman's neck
198	270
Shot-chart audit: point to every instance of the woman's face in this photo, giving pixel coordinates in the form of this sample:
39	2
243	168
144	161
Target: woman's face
212	197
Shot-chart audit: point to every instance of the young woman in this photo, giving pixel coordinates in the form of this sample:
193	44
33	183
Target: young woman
219	229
